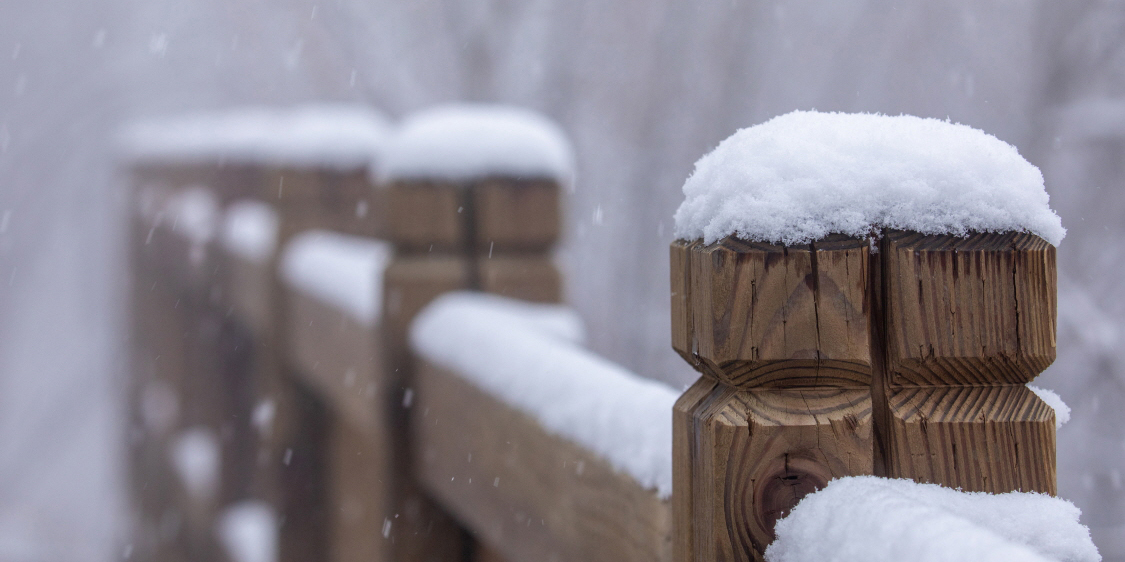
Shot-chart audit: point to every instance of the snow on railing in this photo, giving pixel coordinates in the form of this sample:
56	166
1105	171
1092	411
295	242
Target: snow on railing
530	357
336	136
871	519
342	270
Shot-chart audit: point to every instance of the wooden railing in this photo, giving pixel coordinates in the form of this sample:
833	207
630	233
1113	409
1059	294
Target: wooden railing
903	355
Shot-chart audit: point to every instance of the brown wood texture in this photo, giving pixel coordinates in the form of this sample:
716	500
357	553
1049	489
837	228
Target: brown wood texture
522	215
425	216
744	459
341	200
362	512
936	333
775	316
339	357
410	283
981	439
530	495
526	277
975	310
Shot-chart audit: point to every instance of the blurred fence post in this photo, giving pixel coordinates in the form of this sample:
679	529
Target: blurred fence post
833	359
491	233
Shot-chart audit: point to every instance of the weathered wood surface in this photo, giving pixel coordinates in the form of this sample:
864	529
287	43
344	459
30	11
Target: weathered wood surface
426	216
342	200
339	357
516	215
528	494
744	458
967	311
757	315
936	333
362	515
979	438
526	277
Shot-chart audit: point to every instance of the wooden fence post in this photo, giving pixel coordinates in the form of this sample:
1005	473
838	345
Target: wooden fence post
900	356
491	233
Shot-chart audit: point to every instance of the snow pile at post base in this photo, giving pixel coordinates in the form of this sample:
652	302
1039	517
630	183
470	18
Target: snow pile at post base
872	519
337	136
250	230
466	141
341	270
528	356
804	175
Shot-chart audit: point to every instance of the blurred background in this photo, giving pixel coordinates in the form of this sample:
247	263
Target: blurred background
642	87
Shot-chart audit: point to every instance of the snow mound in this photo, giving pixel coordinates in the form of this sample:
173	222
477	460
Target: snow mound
872	519
1052	398
337	136
248	530
338	269
250	230
801	176
529	356
470	141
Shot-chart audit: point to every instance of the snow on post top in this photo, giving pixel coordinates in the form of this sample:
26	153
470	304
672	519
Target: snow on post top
465	141
801	176
336	136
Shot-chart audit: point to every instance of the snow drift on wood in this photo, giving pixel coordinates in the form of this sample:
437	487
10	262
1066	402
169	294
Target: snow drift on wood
250	230
804	175
528	356
1052	398
337	136
471	141
196	456
871	519
341	270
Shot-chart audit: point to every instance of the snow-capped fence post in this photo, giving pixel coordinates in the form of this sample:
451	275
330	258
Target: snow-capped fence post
882	351
473	202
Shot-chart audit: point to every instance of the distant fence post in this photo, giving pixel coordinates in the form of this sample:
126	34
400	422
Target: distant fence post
902	356
484	230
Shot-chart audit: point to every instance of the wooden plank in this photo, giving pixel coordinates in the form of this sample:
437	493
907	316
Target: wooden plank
753	455
343	200
775	316
339	357
516	214
426	216
526	277
528	494
362	510
246	287
975	310
410	283
683	330
981	439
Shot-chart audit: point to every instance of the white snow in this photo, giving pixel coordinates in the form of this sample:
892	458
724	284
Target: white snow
469	141
248	530
339	136
196	457
250	230
872	519
1052	398
801	176
193	213
527	355
341	270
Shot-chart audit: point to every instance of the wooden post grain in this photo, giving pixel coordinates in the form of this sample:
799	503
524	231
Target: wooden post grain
492	234
903	355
